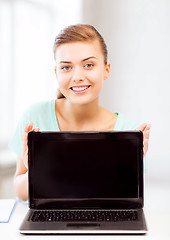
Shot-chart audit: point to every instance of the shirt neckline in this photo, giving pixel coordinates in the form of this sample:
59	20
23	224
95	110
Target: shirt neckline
55	120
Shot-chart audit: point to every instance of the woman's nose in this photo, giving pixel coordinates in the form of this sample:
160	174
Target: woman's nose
78	74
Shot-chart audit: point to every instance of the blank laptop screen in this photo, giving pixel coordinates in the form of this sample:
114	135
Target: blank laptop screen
85	168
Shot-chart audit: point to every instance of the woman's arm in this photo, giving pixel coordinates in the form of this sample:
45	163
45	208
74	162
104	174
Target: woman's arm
21	180
145	128
21	175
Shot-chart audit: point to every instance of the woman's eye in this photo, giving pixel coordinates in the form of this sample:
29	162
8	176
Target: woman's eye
89	65
66	68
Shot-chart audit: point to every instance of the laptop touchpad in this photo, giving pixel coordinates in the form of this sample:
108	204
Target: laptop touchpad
83	225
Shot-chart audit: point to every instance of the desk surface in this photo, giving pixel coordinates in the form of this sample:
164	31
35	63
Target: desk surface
156	211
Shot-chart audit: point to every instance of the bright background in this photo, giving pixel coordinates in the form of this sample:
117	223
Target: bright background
137	33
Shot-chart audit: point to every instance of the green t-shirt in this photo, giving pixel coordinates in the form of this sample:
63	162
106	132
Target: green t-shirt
43	116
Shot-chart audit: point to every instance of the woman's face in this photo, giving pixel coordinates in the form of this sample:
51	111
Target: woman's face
80	71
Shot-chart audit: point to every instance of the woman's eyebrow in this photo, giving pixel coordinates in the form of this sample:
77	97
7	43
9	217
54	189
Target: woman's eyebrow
81	60
64	62
88	59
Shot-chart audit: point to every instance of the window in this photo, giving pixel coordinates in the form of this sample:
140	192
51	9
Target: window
28	29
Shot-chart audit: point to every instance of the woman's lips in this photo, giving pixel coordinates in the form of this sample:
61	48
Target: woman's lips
80	89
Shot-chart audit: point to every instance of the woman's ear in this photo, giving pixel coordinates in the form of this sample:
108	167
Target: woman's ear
107	71
55	70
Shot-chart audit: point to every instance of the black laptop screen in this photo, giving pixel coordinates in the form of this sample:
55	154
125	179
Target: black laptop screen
103	168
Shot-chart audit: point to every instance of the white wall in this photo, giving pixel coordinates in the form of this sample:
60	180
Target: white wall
137	33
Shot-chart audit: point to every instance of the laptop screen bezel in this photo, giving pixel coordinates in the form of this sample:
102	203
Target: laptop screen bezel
114	203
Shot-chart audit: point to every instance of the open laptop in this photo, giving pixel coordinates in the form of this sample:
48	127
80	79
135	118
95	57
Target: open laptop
85	183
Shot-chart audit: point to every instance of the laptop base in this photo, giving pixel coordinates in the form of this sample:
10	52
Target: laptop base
98	228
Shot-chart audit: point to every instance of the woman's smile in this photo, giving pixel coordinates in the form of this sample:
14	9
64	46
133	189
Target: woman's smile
80	89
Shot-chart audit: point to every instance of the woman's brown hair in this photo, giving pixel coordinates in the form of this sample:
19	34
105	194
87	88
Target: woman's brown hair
79	33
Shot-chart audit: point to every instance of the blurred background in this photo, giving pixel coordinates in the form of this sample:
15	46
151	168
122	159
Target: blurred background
137	33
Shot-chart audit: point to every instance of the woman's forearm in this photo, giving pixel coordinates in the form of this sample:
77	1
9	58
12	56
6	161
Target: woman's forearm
21	186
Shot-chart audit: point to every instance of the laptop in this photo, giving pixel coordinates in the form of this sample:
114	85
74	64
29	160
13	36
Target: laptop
85	183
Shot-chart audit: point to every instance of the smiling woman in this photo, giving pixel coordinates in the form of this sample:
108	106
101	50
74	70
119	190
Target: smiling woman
81	68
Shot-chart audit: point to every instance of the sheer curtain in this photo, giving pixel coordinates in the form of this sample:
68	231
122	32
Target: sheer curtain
27	32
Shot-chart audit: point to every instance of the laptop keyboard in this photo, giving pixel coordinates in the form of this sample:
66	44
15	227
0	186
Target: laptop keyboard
84	215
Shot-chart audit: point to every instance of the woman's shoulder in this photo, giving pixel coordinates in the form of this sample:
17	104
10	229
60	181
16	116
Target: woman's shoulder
37	110
39	113
39	107
125	123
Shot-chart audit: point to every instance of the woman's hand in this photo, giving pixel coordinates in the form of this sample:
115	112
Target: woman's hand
145	128
27	129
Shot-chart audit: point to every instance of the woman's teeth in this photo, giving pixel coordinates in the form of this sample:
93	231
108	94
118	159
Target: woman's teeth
79	88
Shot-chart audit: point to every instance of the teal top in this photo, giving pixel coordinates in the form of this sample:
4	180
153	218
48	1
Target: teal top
43	116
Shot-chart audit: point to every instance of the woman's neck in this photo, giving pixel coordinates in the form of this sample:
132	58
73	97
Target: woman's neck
82	116
90	117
